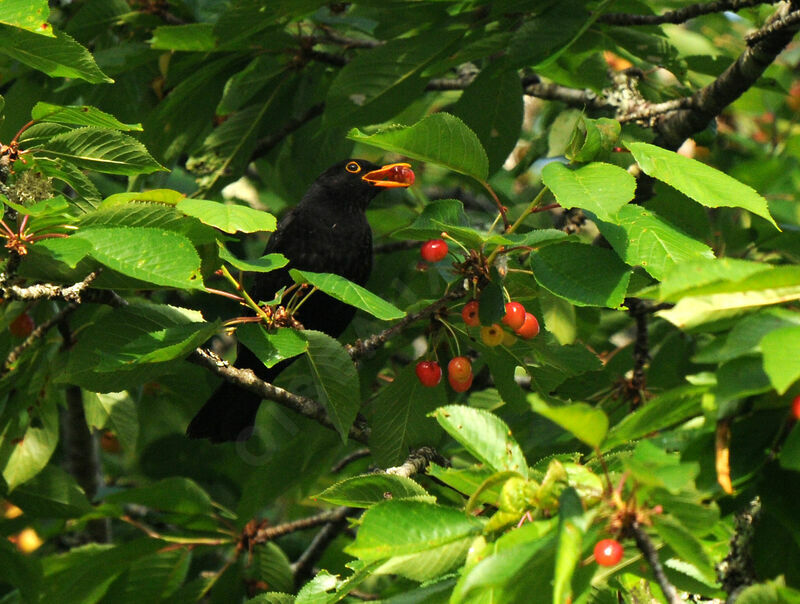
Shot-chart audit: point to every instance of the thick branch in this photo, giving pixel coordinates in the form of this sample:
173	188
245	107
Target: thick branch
651	555
247	380
270	533
708	102
680	15
417	462
48	291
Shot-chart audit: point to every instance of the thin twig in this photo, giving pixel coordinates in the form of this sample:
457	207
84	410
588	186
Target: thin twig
361	347
303	567
680	15
271	533
36	334
774	27
247	380
417	462
350	458
651	555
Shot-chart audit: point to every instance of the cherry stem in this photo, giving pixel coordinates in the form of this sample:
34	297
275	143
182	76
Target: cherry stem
225	294
36	238
23	224
21	130
240	320
247	299
7	229
501	209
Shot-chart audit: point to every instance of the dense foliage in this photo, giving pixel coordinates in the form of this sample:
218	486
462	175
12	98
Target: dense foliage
628	178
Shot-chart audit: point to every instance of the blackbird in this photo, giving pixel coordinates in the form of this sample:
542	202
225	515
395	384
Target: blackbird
327	232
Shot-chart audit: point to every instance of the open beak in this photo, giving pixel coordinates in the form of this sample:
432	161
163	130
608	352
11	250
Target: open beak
391	175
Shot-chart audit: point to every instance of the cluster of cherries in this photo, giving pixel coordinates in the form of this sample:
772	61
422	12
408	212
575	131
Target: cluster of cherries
459	369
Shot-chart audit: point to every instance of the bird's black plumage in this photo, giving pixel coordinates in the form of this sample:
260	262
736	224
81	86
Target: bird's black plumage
327	232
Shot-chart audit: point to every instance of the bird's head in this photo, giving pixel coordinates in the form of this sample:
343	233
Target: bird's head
356	182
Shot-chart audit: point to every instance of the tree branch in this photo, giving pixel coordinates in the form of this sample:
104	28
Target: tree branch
48	291
36	334
270	533
680	15
651	555
247	380
303	567
417	462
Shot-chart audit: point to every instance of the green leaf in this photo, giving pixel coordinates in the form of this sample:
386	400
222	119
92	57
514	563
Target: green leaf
583	274
162	196
702	183
151	578
492	108
428	565
27	14
249	82
668	409
197	37
686	545
730	298
397	528
274	567
265	264
436	213
160	257
350	293
81	115
398	417
571	529
745	336
21	571
584	422
652	465
227	217
439	139
47	207
551	31
485	436
642	238
335	379
790	451
602	189
369	489
159	346
692	276
101	150
30	455
379	83
58	57
559	317
178	495
272	347
115	411
51	494
781	350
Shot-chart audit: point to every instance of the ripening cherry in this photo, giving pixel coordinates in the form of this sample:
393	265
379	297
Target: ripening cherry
492	335
22	326
530	328
608	552
515	315
460	385
470	313
459	369
428	373
796	407
434	250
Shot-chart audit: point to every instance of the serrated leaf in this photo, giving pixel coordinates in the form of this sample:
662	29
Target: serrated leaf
47	207
115	411
652	465
485	436
686	545
691	276
81	115
247	83
369	489
164	196
781	350
156	256
704	184
101	150
584	422
543	38
27	14
583	274
53	493
272	347
439	138
274	568
178	495
642	238
436	213
151	579
38	441
227	217
398	417
59	56
602	189
335	379
350	293
397	528
379	83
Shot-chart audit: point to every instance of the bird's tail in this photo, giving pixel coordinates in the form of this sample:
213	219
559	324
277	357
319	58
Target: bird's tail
228	415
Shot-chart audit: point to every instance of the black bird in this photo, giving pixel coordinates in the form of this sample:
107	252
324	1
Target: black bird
327	232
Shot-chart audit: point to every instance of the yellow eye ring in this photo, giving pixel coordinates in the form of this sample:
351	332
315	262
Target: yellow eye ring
353	167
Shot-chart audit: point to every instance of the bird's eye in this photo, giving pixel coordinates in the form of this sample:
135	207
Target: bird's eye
353	167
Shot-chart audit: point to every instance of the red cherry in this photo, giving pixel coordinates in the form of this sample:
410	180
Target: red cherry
608	552
459	369
492	335
470	313
515	315
434	250
428	373
22	326
460	385
530	328
796	407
